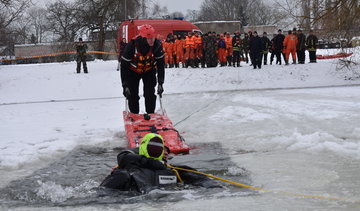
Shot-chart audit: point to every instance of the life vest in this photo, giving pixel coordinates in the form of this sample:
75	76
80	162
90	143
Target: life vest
228	41
142	63
189	41
198	40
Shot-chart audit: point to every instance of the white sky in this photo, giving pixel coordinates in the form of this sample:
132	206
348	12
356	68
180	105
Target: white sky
181	5
172	5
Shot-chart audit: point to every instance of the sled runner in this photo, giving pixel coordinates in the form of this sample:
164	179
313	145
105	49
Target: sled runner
138	125
335	56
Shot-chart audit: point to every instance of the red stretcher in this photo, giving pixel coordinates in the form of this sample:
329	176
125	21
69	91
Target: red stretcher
138	125
335	56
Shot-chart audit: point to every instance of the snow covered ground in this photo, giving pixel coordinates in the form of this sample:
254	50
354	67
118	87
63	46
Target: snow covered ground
297	140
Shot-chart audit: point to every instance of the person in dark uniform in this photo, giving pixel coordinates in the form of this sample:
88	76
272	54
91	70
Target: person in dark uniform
266	47
279	46
81	56
311	45
300	47
143	59
256	47
210	48
245	46
144	169
236	51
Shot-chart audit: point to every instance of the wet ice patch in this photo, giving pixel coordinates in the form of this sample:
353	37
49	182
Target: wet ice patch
324	109
236	171
233	114
57	193
320	142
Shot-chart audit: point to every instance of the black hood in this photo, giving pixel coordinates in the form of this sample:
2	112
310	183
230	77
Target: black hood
143	46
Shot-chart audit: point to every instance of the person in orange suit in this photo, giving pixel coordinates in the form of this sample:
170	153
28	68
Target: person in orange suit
169	59
183	38
229	50
198	50
174	51
290	43
222	51
165	45
190	48
179	46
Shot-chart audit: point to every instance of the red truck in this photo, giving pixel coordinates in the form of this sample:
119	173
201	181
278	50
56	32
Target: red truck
129	28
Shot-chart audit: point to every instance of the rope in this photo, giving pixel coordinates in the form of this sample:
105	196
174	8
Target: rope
260	189
57	54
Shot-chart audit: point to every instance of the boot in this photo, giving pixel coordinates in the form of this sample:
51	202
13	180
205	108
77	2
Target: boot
192	63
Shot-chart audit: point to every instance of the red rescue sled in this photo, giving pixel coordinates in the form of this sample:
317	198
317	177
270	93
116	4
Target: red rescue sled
335	56
138	125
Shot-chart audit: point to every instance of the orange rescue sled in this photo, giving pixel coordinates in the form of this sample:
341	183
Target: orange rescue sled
138	125
335	56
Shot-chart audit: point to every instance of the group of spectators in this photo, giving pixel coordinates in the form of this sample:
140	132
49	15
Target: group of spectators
211	49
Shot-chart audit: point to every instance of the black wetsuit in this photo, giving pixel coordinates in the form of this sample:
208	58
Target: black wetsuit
138	173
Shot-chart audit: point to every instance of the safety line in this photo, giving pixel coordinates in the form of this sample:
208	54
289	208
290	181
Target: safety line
197	111
56	54
199	92
265	190
59	101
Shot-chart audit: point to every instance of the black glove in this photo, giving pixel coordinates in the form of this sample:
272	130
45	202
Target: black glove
126	92
160	90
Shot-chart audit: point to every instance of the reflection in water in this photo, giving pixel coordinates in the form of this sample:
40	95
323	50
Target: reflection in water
74	180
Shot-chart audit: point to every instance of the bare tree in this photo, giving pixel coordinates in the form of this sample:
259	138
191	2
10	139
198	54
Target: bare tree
21	29
176	15
10	12
37	16
332	18
158	11
192	15
260	13
63	21
254	12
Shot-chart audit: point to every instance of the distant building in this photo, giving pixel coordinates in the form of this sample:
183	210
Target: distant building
40	52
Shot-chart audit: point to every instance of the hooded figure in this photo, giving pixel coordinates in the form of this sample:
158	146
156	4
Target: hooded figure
145	170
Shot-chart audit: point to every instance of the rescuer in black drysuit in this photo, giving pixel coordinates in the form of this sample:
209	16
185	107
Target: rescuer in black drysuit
147	169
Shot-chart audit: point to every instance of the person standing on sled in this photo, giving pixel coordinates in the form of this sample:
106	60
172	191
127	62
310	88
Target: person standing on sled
145	169
143	59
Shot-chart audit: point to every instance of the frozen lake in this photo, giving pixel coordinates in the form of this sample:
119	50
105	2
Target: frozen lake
60	134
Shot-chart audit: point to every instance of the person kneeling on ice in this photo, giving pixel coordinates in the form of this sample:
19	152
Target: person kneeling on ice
147	169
